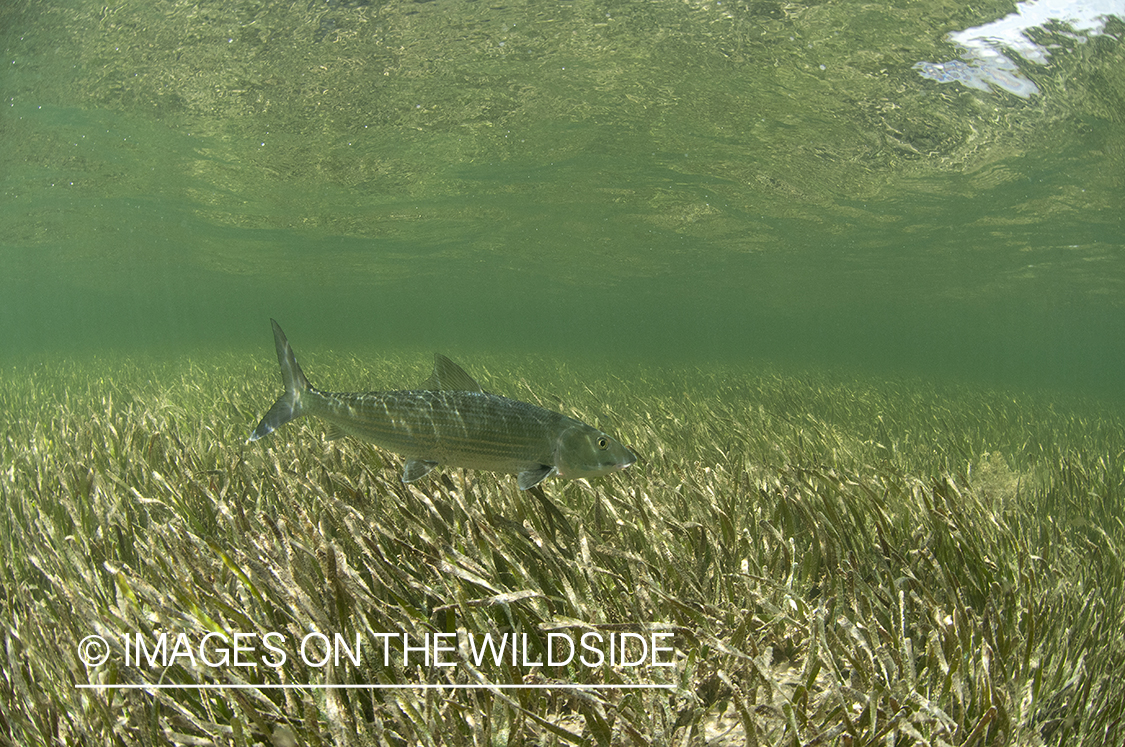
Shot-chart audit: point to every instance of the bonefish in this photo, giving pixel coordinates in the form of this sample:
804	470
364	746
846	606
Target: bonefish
450	420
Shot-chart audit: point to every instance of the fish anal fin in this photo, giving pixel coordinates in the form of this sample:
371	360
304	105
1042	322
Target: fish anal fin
449	376
532	477
334	432
415	468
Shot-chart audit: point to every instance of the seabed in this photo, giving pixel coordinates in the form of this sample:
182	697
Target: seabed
829	561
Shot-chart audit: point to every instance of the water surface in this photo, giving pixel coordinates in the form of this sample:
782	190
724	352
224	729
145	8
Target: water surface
665	181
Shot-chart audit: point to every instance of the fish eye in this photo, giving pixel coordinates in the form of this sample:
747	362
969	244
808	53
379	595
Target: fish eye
603	443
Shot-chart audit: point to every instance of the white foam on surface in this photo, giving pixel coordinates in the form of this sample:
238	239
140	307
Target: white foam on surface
988	49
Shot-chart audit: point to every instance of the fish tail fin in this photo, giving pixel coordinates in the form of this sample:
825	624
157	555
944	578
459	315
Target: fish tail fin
288	405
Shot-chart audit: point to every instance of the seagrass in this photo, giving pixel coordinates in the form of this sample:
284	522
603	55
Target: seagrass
840	560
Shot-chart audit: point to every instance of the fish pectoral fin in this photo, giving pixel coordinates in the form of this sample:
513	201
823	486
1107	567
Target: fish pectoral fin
334	432
532	477
415	468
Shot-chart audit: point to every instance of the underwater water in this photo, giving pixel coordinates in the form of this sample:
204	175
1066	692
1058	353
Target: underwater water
666	181
848	279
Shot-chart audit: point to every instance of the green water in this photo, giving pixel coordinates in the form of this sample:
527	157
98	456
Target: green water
664	181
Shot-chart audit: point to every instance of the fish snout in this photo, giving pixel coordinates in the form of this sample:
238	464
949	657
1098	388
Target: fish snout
629	458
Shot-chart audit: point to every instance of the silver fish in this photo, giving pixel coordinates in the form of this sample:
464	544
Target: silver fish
450	420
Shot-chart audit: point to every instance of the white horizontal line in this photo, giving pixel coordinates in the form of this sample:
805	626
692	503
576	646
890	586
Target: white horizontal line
371	686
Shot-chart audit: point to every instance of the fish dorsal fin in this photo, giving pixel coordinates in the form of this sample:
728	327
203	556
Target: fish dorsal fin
449	376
